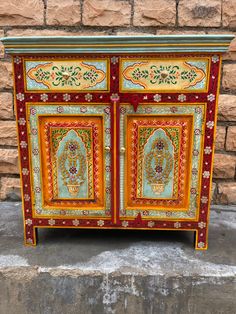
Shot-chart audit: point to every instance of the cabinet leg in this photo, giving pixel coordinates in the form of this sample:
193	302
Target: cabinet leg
31	235
201	239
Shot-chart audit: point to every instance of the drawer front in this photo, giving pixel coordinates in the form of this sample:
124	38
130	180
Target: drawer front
70	170
161	166
164	75
66	75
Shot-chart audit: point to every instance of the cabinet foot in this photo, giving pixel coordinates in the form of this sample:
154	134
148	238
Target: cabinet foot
201	239
30	235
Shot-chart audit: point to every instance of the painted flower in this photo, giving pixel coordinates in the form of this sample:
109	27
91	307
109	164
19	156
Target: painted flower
60	109
193	191
72	147
108	131
206	174
108	169
198	110
37	189
36	169
173	109
25	171
210	124
107	110
114	60
195	152
85	212
22	121
211	97
83	109
125	223
88	97
194	171
44	97
100	223
201	245
108	189
215	58
75	222
151	224
204	199
148	110
115	97
182	98
17	60
72	170
33	111
35	151
20	96
145	97
51	222
26	197
157	98
201	225
29	241
28	222
23	144
122	110
34	131
66	97
145	213
197	132
177	224
207	150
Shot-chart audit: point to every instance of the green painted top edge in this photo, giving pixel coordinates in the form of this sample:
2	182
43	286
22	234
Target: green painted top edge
215	42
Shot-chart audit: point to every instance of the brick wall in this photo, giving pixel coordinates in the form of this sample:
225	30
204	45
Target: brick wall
121	17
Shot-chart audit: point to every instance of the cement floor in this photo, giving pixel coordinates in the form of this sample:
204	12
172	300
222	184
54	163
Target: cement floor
111	250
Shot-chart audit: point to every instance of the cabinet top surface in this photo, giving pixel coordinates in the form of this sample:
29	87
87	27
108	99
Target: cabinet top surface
117	44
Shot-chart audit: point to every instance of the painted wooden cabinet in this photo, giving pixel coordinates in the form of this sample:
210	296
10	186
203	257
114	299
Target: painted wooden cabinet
117	132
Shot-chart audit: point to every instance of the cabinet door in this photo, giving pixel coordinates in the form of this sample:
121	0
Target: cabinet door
70	169
161	161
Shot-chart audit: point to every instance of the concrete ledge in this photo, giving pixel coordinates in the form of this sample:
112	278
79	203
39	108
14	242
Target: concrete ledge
104	271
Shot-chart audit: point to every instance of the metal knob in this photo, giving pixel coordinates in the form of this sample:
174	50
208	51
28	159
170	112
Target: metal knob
107	149
122	150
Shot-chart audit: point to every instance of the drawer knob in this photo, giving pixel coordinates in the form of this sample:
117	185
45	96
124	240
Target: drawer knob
122	150
65	75
107	149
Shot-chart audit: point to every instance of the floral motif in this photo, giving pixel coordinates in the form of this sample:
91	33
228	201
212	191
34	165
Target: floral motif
17	60
28	222
115	97
60	109
20	96
44	97
210	124
206	174
157	98
201	245
25	171
177	224
22	121
182	98
173	109
125	223
215	58
207	150
83	109
75	222
204	199
51	222
151	224
34	131
88	97
23	144
100	223
66	97
211	97
201	224
114	60
26	197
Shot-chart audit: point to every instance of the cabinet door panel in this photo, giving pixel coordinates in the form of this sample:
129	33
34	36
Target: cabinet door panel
68	160
162	160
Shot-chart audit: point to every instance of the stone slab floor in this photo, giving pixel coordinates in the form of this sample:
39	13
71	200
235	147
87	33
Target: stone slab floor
134	272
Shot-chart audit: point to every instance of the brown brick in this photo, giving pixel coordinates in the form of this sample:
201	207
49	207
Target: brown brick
213	192
1	45
227	193
51	32
8	134
6	80
229	13
6	106
231	139
8	161
24	12
200	13
220	137
229	76
66	12
178	32
106	13
224	166
154	13
227	108
10	189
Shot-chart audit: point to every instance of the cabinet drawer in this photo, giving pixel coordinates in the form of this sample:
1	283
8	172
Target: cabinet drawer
164	75
66	75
